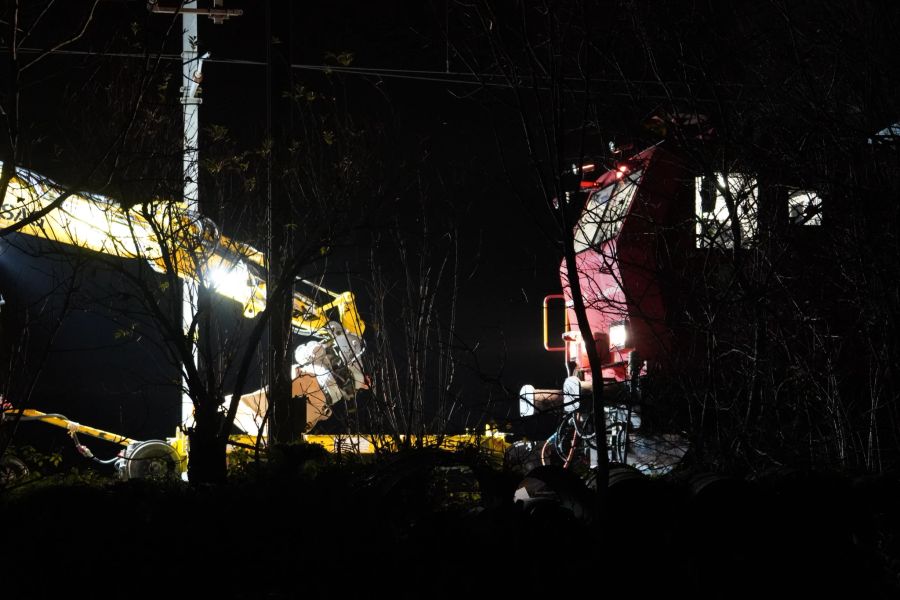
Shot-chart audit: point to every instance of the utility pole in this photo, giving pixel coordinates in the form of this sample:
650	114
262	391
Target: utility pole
191	67
191	76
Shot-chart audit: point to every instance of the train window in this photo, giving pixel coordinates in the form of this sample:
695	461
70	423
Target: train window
586	231
889	135
714	218
604	212
805	208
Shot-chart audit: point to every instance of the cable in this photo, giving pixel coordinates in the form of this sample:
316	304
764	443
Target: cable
79	447
544	448
572	448
42	417
581	433
86	452
456	77
560	437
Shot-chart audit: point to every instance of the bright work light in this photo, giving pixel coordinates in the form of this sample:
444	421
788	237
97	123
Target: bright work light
618	335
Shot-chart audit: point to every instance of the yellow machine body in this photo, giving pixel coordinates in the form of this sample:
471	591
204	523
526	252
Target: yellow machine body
173	239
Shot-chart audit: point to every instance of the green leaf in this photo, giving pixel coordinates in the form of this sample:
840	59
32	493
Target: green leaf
218	133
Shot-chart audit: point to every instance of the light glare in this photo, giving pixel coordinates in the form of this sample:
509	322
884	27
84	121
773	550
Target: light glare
618	335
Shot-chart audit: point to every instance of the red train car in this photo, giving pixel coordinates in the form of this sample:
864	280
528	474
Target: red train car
646	227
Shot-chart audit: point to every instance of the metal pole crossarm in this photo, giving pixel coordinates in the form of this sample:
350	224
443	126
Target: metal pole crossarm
218	15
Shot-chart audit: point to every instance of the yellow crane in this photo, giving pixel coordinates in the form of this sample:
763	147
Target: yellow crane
171	238
168	237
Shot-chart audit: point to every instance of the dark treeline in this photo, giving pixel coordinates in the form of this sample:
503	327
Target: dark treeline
446	525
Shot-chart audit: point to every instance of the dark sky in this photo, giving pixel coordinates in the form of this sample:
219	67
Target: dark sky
437	131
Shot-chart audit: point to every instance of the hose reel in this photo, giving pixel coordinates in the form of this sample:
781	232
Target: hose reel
152	459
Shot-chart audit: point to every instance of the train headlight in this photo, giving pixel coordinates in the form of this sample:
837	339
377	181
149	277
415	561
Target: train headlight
618	335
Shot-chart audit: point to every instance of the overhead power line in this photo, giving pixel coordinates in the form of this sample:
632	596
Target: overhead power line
454	77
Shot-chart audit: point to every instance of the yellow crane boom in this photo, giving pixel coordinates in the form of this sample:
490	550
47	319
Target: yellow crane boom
170	238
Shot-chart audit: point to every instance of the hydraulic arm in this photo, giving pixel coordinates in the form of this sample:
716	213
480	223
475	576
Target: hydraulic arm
170	238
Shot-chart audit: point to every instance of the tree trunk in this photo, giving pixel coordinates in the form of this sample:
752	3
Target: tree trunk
285	422
207	462
596	408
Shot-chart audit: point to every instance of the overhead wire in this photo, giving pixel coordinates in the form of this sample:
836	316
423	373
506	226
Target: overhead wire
494	80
